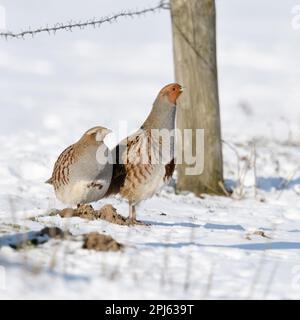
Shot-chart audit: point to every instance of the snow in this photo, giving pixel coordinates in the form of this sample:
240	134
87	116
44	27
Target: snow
55	88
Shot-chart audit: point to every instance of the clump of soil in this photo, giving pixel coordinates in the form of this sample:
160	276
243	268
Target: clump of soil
107	213
101	242
32	238
83	211
257	233
66	213
54	232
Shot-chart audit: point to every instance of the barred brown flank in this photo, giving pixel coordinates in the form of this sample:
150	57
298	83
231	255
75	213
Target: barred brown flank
63	162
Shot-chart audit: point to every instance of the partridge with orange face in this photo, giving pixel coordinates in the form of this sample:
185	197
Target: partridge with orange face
143	163
82	173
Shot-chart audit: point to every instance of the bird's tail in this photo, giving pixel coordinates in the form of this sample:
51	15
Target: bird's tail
49	181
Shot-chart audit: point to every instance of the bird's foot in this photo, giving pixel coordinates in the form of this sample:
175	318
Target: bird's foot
132	221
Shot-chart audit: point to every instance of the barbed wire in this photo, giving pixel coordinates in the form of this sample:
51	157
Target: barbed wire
163	4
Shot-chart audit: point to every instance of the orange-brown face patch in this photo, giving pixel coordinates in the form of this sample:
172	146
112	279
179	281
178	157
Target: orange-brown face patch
172	92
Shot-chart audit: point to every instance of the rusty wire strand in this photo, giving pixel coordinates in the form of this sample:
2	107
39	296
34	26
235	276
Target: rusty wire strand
69	26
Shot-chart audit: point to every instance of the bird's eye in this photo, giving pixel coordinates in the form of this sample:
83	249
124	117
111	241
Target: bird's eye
174	89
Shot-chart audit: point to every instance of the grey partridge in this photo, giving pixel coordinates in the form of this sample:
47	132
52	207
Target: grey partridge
141	168
83	171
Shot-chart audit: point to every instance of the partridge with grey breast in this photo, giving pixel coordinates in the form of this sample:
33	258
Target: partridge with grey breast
82	173
141	168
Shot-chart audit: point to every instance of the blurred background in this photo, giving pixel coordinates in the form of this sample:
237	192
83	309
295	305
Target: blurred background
72	81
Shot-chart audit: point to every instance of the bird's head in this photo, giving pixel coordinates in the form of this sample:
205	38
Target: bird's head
96	134
171	92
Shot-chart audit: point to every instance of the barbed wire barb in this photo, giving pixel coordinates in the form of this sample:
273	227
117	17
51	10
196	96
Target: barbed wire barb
162	5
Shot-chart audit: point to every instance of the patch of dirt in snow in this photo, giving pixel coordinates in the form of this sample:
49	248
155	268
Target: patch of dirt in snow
101	242
107	213
55	233
32	238
91	241
257	233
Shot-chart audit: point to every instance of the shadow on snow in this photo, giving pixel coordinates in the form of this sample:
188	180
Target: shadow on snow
280	245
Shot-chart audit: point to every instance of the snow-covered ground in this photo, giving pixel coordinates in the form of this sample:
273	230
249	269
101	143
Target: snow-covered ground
54	88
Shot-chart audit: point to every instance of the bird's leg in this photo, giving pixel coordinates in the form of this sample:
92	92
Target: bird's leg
132	216
132	212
